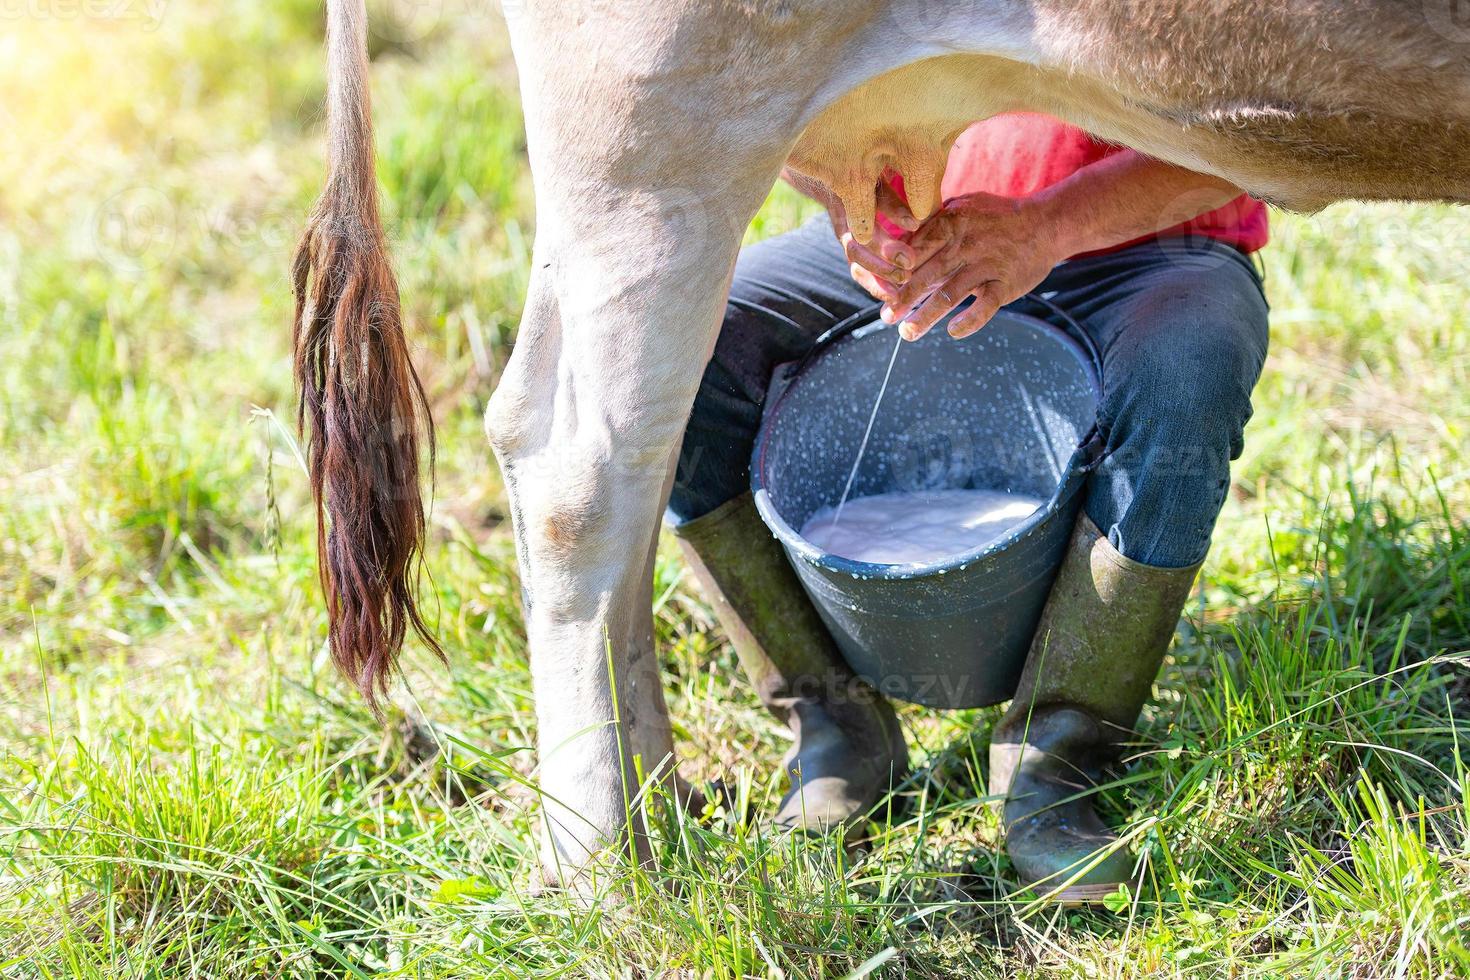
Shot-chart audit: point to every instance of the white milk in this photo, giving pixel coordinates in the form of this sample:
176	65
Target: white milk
905	528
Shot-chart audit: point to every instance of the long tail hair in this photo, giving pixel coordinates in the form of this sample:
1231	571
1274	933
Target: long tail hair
362	409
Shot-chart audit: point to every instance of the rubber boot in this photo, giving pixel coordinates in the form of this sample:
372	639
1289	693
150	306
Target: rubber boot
848	749
1096	652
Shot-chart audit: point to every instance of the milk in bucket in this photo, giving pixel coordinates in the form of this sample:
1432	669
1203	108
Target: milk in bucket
905	528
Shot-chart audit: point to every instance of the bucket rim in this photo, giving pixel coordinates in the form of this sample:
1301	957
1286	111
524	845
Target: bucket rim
1084	457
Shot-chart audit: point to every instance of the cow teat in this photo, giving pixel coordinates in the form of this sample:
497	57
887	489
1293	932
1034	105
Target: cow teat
922	171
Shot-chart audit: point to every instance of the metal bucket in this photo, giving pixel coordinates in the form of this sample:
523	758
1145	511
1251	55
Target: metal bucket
1013	408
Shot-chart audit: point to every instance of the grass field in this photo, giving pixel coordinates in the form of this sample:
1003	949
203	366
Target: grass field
186	790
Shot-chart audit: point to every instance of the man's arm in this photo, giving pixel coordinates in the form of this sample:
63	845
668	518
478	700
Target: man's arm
1127	196
999	248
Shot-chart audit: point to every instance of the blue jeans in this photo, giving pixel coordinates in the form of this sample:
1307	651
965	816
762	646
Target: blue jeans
1181	326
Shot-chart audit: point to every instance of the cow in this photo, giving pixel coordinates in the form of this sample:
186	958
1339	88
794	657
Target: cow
654	132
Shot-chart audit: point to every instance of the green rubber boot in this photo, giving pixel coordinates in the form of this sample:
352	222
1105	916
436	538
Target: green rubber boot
849	748
1097	650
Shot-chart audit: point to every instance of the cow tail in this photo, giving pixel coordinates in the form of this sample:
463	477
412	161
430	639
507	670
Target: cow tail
362	411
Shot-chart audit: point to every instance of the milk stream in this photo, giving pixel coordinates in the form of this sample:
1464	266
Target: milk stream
905	527
872	417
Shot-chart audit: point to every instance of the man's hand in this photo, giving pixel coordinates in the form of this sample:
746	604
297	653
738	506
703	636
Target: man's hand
882	265
996	249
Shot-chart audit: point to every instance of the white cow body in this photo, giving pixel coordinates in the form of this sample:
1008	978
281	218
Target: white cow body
656	129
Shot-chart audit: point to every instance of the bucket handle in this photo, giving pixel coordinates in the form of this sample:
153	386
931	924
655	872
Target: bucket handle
863	316
867	314
1071	327
1093	446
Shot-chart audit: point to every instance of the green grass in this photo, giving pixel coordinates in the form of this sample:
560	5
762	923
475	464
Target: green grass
186	790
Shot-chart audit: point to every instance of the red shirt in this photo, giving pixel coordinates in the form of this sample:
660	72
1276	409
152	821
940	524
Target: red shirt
1017	154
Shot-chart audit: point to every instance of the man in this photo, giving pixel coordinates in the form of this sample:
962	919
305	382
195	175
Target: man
1151	260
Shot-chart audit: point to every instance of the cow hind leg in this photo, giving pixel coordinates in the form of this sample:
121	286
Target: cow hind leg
626	298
